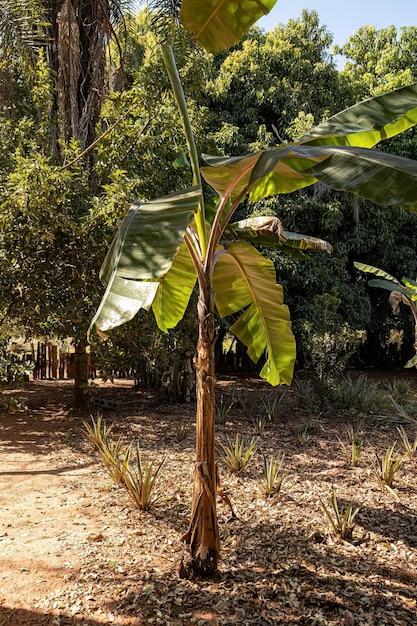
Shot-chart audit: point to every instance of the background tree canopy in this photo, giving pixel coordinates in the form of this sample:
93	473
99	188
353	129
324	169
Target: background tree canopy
56	221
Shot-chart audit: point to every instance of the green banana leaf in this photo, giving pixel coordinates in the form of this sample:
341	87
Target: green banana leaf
371	269
337	152
385	179
218	24
122	299
382	178
244	280
387	285
367	123
174	291
142	253
411	286
412	362
236	175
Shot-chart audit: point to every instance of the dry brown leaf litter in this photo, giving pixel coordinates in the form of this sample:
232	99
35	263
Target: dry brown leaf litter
76	552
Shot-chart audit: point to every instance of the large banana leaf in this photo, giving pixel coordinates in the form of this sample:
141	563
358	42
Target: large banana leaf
368	122
150	235
123	298
371	269
141	254
218	24
337	152
383	178
234	175
244	280
388	285
174	291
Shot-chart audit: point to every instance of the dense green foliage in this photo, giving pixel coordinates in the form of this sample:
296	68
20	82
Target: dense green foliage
56	222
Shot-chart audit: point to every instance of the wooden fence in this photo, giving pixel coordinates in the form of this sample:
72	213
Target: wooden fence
50	362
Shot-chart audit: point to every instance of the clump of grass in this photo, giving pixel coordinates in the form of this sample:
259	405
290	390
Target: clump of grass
400	415
272	478
353	448
273	403
235	456
181	431
140	481
259	424
409	447
399	389
341	522
223	409
109	450
386	468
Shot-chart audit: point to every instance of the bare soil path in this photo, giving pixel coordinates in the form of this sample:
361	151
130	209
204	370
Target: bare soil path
75	552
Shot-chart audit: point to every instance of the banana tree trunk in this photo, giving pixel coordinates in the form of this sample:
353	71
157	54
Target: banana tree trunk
203	533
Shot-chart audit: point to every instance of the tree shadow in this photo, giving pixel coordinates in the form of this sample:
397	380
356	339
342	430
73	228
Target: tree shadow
397	524
276	577
10	616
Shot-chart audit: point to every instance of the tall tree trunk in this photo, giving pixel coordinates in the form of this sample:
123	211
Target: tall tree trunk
203	533
81	374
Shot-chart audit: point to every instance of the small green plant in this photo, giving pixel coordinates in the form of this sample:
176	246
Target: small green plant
272	404
399	416
272	479
341	522
237	398
11	404
357	396
409	447
181	431
140	481
305	393
110	451
398	389
386	468
223	409
236	457
353	448
309	426
259	424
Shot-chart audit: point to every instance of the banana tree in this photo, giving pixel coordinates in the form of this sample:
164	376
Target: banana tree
402	291
165	246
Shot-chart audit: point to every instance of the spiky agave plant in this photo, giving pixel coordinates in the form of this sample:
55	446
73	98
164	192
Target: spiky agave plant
236	456
140	479
110	451
409	447
386	468
341	522
272	478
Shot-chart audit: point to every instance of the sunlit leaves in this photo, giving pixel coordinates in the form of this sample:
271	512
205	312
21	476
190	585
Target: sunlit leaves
218	24
244	281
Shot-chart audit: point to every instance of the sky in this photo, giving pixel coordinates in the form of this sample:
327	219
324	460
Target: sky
343	18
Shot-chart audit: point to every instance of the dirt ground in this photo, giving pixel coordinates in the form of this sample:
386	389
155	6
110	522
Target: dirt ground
75	551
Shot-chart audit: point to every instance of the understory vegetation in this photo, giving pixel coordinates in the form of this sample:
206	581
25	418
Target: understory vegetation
283	557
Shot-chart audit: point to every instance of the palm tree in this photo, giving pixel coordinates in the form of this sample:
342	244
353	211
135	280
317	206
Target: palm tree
75	37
